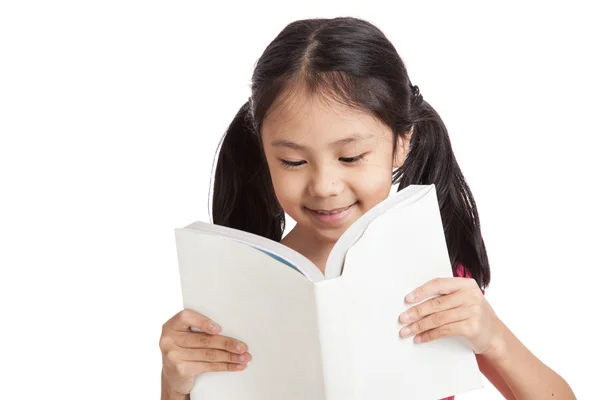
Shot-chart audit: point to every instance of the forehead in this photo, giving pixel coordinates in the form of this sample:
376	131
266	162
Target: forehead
301	117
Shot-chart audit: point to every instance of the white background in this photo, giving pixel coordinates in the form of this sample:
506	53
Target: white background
110	113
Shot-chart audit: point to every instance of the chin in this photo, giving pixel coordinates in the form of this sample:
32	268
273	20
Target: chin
327	235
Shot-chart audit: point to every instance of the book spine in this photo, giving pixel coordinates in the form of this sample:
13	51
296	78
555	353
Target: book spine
335	339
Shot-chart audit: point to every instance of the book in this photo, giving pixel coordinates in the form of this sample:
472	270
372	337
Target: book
331	336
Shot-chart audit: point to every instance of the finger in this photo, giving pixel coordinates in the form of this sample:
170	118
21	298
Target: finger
453	329
184	320
438	286
434	321
201	340
211	355
431	306
215	367
195	368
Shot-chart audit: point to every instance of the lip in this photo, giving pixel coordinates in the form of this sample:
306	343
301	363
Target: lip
331	219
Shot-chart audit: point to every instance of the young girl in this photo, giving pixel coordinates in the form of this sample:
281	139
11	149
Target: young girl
332	122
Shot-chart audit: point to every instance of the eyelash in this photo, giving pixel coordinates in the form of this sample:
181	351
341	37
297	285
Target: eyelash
346	160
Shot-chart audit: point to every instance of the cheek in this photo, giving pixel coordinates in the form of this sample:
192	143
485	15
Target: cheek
373	186
288	189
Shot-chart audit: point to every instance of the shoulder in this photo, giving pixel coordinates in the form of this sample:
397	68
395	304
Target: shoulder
463	272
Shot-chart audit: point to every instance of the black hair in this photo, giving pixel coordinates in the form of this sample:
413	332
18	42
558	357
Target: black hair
353	62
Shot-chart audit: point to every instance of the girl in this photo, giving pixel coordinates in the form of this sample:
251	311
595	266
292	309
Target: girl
332	122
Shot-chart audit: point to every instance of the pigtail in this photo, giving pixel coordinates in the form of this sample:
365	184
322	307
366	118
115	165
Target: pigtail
353	60
243	196
431	161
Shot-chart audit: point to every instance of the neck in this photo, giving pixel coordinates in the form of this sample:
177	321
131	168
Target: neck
309	246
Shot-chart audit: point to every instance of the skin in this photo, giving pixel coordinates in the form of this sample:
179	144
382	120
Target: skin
308	141
323	155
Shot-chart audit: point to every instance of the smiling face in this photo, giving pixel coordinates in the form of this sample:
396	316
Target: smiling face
329	163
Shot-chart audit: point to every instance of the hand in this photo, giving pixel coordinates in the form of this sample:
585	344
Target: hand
186	354
461	310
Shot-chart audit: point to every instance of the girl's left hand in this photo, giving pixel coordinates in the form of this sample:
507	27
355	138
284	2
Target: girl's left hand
461	310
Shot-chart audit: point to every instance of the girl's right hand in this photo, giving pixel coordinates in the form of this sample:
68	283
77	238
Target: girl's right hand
187	354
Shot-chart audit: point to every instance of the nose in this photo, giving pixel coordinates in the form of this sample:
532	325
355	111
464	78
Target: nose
326	181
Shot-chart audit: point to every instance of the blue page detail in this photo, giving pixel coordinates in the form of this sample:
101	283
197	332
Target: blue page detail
282	260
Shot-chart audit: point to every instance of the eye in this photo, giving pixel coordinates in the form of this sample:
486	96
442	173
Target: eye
292	164
352	160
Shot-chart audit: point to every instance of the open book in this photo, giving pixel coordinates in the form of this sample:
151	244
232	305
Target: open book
332	337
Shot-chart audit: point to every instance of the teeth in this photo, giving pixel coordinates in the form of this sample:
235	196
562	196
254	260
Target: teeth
331	212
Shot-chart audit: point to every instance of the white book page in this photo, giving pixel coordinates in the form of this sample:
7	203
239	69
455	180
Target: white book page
257	300
395	255
303	264
404	198
335	339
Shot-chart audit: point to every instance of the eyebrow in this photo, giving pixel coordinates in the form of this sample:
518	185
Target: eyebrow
350	139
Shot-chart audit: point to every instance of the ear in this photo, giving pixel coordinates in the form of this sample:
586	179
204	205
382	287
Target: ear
402	149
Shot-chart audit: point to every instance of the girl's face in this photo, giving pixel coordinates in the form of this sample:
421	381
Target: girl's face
329	164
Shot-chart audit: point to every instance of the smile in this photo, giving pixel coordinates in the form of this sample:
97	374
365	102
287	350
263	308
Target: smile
329	212
333	216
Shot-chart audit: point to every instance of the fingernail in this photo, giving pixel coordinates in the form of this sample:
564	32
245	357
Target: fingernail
410	297
239	347
417	339
213	327
404	332
404	317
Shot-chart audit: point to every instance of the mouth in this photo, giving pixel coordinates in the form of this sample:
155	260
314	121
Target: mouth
330	212
331	216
